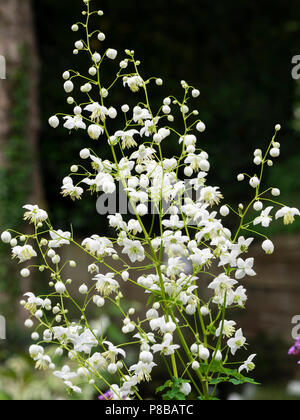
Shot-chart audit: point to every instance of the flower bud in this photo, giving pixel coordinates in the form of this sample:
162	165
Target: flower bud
25	273
201	127
258	206
224	211
268	247
53	122
204	353
195	93
84	154
275	192
6	237
68	86
60	287
111	53
254	182
83	289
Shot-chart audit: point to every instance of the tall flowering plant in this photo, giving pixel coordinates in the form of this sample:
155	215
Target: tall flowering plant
190	229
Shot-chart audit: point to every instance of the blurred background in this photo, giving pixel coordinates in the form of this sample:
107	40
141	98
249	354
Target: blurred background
239	54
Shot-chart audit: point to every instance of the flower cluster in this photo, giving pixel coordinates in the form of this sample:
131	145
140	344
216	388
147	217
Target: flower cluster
191	232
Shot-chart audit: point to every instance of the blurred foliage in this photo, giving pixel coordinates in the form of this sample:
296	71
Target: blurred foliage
19	381
15	187
238	54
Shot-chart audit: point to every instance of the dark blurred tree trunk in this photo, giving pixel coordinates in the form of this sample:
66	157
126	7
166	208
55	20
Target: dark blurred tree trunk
19	115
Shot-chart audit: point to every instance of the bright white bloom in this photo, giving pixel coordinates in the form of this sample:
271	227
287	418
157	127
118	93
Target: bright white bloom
245	268
288	214
211	195
228	328
113	352
248	365
237	342
69	189
134	83
127	138
166	348
106	284
142	371
23	253
134	250
59	238
74	123
65	374
99	246
35	214
98	111
264	219
222	285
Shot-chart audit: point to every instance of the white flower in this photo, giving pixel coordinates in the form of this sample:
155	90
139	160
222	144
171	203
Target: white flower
59	238
134	83
237	342
222	284
201	256
288	215
35	214
85	342
228	329
166	348
98	111
134	250
99	246
74	388
69	189
74	122
245	268
248	365
140	114
142	370
24	253
127	138
268	247
211	195
239	297
112	352
65	374
106	284
264	219
174	223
